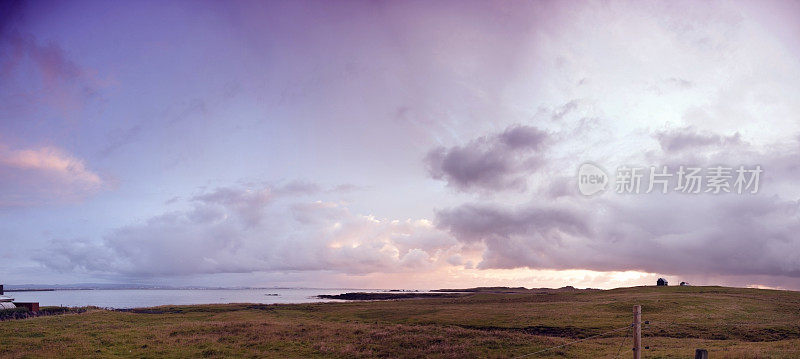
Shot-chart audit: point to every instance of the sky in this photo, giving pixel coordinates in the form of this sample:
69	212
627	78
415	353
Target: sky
396	144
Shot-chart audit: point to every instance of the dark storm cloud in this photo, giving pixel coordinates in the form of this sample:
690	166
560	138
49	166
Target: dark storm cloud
496	162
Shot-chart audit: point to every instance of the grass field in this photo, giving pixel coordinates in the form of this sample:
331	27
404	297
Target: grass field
729	322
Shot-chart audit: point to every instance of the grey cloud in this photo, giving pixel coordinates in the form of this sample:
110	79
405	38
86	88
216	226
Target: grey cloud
694	235
496	162
301	187
723	236
307	188
345	188
243	230
248	204
523	137
563	110
669	85
471	222
689	138
560	186
679	82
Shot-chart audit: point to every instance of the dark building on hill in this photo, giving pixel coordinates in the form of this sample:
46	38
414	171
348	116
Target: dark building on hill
662	282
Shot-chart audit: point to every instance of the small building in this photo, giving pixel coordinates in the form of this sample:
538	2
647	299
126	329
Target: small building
6	302
31	306
661	282
684	284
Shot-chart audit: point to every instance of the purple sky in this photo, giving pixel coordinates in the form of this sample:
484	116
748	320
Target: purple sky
393	144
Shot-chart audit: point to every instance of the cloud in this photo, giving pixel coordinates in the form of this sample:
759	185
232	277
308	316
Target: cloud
695	235
472	222
679	82
42	82
495	162
690	138
565	109
243	230
247	204
59	82
50	160
725	236
44	175
712	67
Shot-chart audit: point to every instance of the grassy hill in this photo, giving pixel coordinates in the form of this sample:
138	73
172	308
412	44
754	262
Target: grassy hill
492	322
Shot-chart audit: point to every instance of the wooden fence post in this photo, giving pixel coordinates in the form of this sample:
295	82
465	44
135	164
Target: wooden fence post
637	332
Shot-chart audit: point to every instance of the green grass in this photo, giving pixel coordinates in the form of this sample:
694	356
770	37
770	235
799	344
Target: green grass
729	322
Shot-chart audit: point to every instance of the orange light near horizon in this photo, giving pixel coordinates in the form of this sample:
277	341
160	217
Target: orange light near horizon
455	277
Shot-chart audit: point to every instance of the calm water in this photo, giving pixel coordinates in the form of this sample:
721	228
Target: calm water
134	298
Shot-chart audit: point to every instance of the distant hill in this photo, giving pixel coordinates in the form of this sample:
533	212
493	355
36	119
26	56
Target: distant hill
510	290
87	286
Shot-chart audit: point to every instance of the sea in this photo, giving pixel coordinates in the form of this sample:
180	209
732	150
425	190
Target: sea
138	298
